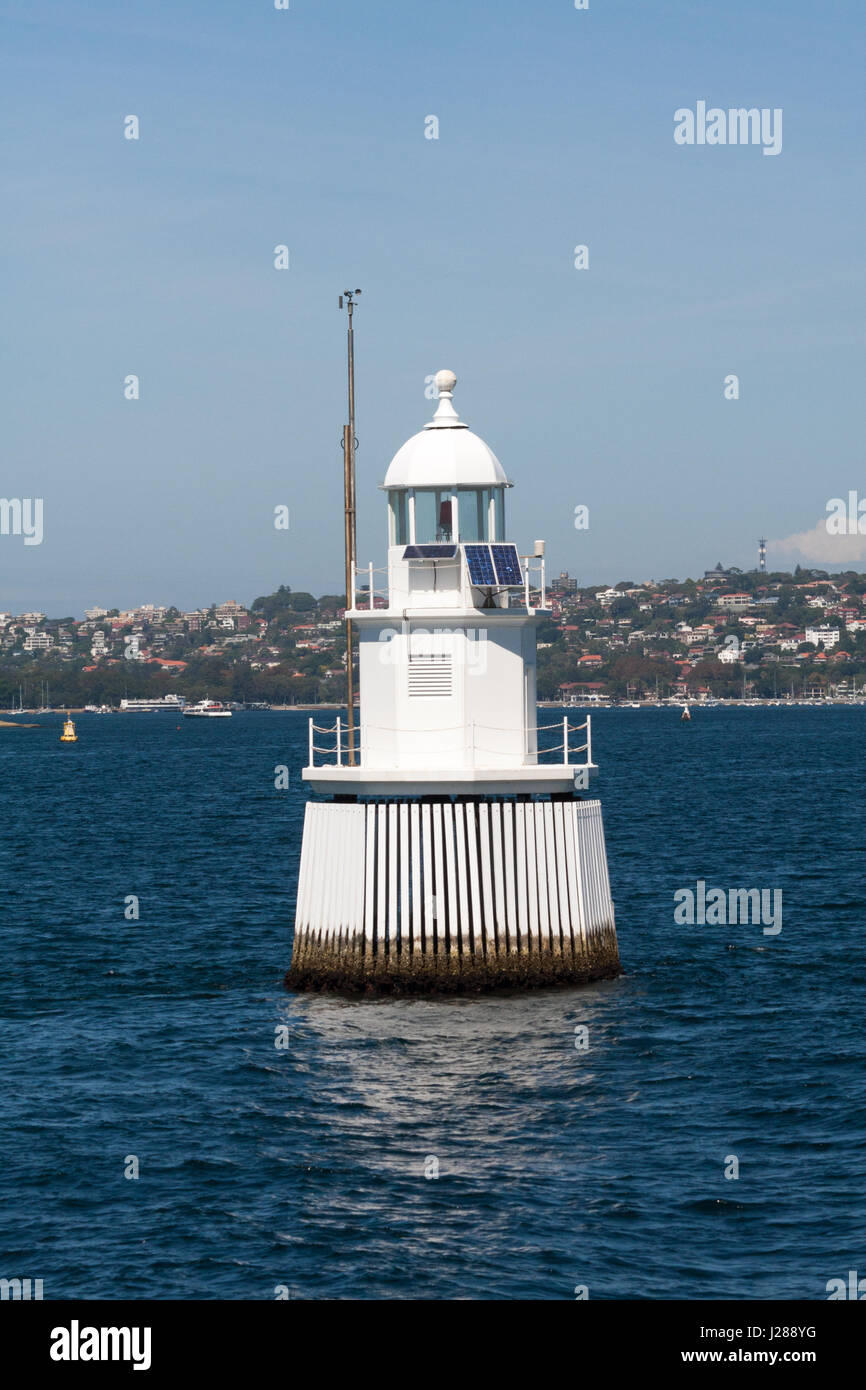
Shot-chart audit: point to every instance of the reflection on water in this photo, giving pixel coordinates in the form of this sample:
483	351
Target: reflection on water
457	1073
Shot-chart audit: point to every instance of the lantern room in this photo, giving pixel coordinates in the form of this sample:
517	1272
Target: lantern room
445	486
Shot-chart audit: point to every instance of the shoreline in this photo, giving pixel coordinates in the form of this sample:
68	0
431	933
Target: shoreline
11	717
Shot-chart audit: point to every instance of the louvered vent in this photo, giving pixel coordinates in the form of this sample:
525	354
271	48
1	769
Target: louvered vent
430	675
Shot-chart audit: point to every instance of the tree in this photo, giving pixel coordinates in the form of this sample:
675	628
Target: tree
622	608
269	604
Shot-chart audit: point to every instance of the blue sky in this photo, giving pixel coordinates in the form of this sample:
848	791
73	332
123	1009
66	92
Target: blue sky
601	387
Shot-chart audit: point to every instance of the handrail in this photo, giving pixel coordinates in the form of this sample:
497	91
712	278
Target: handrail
467	745
369	570
527	728
534	593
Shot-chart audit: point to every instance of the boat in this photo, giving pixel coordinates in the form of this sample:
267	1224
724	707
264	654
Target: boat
69	735
172	703
685	716
207	709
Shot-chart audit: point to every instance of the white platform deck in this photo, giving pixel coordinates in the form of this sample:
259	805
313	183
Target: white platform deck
480	781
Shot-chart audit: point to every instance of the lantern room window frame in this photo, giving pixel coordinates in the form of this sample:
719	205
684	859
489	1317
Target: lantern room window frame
453	515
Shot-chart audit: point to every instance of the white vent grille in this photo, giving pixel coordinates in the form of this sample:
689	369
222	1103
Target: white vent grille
430	675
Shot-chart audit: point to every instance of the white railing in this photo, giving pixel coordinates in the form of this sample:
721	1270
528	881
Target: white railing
364	595
340	748
368	597
337	751
534	595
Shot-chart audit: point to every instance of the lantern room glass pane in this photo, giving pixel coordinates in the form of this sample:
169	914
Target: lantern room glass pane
499	514
471	516
425	518
399	529
434	519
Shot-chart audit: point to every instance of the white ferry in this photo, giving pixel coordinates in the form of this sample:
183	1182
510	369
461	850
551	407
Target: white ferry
207	709
173	703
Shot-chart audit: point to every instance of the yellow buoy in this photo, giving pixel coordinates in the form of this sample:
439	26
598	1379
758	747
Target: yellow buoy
69	735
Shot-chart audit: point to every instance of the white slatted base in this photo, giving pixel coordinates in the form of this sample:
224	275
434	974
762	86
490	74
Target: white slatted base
475	894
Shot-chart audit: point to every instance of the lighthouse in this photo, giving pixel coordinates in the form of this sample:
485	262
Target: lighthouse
450	844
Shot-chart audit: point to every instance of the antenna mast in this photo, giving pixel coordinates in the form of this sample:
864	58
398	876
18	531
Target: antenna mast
349	443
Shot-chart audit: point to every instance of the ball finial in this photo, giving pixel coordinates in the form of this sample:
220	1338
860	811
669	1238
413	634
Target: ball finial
445	382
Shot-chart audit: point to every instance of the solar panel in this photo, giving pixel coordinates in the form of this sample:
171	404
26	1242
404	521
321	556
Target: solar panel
480	564
430	552
507	563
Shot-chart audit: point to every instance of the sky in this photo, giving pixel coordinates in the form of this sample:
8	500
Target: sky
602	387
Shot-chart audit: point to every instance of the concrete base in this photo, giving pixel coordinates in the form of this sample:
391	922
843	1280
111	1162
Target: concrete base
436	895
349	972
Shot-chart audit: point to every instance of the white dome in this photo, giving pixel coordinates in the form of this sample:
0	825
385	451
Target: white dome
445	454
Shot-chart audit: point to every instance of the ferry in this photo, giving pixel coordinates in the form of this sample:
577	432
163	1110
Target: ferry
590	701
207	709
173	703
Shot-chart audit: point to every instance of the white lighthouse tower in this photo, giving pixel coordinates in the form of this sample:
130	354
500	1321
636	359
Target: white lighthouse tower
451	847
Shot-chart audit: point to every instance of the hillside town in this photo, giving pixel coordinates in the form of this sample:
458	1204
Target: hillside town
731	635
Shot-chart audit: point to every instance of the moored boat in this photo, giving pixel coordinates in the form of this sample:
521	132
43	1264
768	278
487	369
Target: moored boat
207	709
173	703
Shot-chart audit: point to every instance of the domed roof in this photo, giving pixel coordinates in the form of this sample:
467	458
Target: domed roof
445	454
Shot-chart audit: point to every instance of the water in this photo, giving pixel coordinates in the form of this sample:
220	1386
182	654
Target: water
305	1167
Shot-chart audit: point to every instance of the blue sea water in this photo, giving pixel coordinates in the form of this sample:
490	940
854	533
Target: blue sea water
305	1167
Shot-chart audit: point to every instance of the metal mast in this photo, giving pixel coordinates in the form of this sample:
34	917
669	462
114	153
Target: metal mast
349	442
